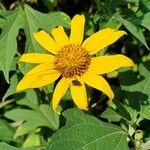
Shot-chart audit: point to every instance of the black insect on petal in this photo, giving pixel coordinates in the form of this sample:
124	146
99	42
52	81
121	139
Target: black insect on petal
76	83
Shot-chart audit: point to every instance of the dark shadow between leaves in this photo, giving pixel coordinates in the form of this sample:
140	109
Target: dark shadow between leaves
147	65
129	78
135	99
122	111
131	86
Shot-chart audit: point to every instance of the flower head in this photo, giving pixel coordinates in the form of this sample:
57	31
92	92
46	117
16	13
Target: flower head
70	58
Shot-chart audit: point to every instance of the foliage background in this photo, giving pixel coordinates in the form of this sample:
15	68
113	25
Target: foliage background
26	120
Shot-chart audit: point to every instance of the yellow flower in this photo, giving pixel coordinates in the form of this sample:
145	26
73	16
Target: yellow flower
71	59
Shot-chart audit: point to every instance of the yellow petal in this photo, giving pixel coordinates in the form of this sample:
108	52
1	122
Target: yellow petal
79	95
106	64
77	29
41	69
36	58
60	36
98	83
101	39
45	40
39	76
59	92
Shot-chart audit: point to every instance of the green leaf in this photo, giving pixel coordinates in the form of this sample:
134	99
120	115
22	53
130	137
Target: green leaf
145	112
132	1
32	140
144	70
131	90
142	19
5	146
112	23
136	90
42	116
145	21
28	98
3	104
34	20
48	89
146	4
135	30
12	88
83	131
96	17
50	115
111	114
31	21
6	131
146	145
131	83
8	43
25	128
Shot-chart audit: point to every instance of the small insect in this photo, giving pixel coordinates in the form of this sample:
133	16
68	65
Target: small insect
76	83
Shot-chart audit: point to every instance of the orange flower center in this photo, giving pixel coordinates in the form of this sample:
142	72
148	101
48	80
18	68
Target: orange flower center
72	60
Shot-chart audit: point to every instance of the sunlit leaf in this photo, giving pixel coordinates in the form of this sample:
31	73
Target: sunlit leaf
83	131
34	20
8	43
135	30
30	20
145	21
6	131
111	114
32	140
28	98
145	112
5	146
12	88
43	116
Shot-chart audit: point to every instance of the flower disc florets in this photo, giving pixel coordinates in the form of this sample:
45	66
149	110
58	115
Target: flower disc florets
72	60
